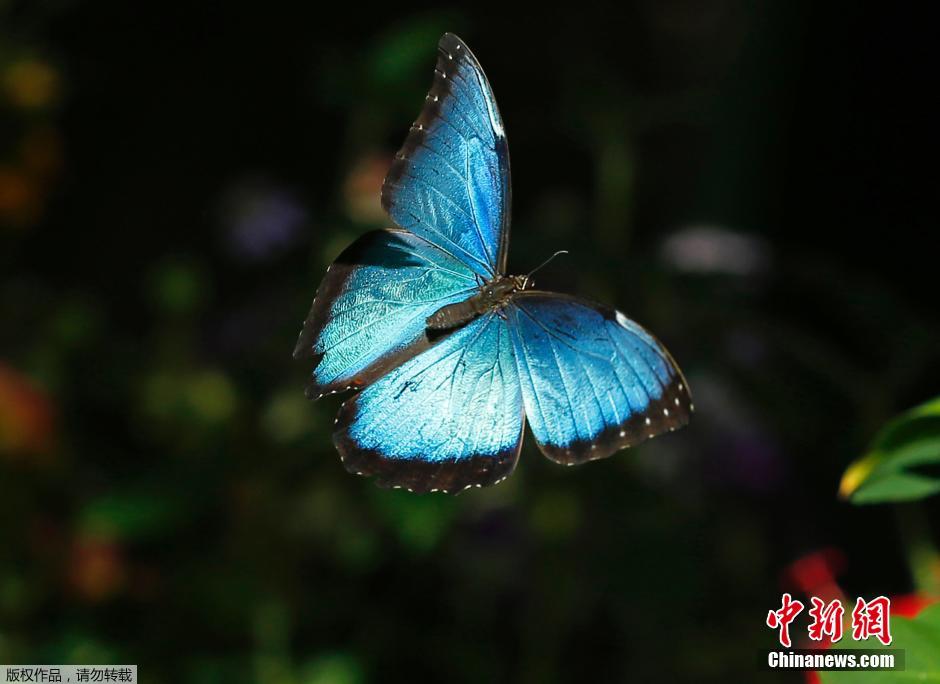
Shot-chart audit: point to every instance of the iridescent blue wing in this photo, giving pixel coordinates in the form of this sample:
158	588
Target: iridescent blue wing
449	183
593	381
448	419
369	313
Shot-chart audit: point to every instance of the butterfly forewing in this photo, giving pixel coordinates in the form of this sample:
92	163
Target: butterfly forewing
450	182
369	312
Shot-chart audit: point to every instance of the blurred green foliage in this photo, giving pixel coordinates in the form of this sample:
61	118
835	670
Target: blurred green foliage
888	471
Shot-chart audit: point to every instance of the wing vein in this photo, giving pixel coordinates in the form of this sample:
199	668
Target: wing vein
446	239
476	223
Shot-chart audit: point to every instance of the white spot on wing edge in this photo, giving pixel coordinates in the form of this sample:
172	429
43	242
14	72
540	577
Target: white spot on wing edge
623	320
491	108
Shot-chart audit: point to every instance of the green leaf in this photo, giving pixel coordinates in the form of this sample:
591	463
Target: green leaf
897	487
887	472
920	639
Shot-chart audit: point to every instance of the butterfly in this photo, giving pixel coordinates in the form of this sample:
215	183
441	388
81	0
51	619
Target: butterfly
451	356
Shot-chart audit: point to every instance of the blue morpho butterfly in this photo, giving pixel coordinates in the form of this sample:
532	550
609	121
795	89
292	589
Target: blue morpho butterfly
453	354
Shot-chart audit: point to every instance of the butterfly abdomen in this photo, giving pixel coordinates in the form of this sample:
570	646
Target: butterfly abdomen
493	294
455	315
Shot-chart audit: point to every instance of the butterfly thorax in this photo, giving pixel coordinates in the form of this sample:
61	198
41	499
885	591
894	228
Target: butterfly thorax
492	295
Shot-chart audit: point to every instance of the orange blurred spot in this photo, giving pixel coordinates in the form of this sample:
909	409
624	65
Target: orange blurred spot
31	84
26	416
96	569
23	184
19	196
363	188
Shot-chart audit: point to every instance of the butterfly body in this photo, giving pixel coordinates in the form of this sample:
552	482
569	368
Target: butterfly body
451	356
493	296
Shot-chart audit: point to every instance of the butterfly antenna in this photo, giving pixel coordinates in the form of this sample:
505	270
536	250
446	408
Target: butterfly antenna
544	263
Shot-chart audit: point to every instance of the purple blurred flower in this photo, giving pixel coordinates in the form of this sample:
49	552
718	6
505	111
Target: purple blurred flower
261	219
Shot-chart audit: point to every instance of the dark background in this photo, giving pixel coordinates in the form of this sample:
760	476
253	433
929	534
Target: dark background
754	182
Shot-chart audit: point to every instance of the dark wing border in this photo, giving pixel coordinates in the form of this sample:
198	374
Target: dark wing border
450	477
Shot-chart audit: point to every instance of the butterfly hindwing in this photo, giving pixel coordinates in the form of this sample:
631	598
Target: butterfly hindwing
447	419
369	312
593	381
450	182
